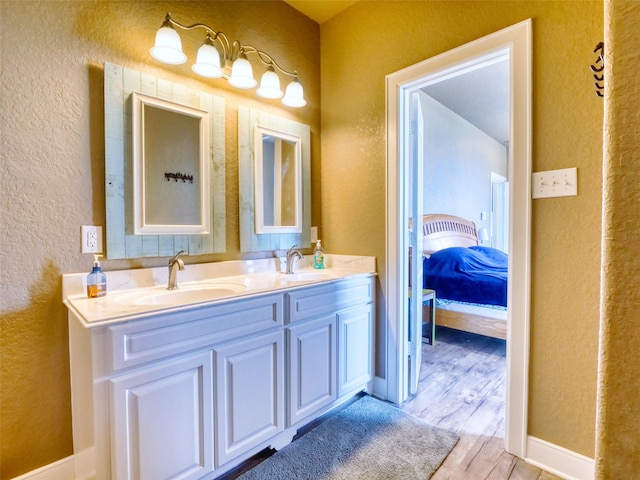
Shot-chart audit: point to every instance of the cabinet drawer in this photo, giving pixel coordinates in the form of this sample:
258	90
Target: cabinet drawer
315	301
173	333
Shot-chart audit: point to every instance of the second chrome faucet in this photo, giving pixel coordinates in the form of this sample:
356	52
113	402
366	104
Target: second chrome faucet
175	264
291	253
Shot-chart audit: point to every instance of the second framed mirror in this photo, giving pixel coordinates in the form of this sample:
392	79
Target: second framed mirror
274	173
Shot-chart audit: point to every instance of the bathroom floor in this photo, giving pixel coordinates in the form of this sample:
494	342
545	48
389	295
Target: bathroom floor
462	388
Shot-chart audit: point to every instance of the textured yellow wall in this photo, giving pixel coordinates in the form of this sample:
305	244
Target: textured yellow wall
372	39
618	447
52	131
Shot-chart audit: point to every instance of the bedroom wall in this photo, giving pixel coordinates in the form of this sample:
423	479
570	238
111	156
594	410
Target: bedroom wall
459	159
372	39
52	170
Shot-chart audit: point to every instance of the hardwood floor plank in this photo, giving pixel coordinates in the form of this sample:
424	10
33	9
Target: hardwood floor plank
463	389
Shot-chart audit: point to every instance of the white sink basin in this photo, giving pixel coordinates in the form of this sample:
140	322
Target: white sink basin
306	277
183	295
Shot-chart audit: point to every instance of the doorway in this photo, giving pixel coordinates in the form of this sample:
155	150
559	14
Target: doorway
516	42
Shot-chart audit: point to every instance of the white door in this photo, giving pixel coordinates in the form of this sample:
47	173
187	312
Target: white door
414	201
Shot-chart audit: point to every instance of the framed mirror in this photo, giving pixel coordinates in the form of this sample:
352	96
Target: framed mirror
170	167
138	201
278	181
274	173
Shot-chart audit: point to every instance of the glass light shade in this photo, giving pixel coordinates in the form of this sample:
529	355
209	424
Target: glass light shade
242	74
207	62
168	47
294	95
270	84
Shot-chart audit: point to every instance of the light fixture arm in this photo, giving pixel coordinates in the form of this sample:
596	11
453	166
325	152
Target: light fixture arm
267	59
219	36
231	51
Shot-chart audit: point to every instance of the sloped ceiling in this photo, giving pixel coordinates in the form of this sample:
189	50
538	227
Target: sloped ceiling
481	97
320	10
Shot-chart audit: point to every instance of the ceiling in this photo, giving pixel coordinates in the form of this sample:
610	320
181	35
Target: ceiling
480	96
320	10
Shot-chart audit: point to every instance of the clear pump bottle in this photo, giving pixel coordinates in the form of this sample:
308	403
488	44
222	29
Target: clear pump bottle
318	256
96	280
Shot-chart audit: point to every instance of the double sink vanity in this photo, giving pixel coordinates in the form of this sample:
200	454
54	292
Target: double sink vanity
189	383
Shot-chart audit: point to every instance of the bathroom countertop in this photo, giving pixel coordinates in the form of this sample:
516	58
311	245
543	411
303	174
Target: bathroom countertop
200	284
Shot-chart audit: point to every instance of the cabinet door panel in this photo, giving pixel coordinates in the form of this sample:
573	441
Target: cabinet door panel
162	420
312	381
250	395
355	337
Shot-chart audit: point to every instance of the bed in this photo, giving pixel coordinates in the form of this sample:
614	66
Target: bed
470	280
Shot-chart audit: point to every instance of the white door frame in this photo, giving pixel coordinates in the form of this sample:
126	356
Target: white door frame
517	39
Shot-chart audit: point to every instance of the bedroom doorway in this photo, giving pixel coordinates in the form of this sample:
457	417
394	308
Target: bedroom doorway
515	43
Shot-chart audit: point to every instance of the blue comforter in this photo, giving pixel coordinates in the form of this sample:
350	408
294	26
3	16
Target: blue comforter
473	275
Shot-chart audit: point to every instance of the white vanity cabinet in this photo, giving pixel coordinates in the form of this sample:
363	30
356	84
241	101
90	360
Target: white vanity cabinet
151	408
312	367
250	394
177	394
190	392
330	335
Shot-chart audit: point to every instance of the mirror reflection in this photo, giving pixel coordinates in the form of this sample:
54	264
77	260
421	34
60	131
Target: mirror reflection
278	158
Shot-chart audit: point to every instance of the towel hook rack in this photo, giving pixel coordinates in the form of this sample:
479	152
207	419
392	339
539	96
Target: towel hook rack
598	69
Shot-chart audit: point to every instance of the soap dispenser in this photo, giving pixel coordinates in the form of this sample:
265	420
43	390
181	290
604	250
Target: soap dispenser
318	256
96	280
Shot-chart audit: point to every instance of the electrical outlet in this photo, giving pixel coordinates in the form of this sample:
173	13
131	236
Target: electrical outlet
91	239
314	234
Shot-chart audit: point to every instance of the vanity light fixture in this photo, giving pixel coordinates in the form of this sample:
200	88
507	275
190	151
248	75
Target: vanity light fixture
231	63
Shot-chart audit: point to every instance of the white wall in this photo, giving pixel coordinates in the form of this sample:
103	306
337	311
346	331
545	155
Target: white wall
459	159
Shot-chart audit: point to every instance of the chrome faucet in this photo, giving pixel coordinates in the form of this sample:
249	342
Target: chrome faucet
292	252
175	264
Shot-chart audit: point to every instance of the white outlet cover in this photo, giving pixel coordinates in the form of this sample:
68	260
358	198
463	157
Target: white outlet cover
91	239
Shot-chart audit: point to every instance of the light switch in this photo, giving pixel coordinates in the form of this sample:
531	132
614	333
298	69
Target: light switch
555	183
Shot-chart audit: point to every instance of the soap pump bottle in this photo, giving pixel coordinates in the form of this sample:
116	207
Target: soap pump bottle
318	256
96	280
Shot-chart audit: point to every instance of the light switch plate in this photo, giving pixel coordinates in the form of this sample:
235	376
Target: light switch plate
555	183
314	234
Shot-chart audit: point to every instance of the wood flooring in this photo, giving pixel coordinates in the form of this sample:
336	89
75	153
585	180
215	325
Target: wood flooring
462	388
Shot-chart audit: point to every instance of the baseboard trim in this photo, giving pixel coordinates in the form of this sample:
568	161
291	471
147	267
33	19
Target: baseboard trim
551	458
54	471
559	461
